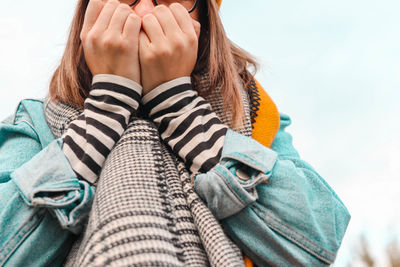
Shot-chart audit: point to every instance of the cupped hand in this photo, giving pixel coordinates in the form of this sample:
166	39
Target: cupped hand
110	39
168	45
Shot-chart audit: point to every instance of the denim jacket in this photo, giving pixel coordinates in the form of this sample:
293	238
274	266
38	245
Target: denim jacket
274	205
42	203
270	202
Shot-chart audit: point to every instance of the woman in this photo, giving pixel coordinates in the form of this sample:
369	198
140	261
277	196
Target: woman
152	98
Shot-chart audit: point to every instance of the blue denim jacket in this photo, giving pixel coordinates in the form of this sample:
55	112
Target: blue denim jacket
42	203
271	203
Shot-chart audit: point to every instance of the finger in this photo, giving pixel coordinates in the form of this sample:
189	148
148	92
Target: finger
197	28
92	13
144	40
132	27
183	18
167	20
119	17
144	44
153	29
105	16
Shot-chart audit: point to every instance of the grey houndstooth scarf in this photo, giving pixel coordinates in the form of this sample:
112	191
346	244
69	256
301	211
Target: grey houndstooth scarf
145	212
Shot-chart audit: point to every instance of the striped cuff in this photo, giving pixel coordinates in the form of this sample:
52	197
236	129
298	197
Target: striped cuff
89	139
123	89
186	123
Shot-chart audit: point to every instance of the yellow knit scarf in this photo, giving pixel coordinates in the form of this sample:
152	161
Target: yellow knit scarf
265	128
267	121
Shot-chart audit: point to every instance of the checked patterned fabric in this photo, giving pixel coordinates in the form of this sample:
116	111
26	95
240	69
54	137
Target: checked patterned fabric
145	211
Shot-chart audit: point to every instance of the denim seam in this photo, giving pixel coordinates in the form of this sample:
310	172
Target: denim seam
73	213
254	181
86	198
16	110
23	232
231	234
247	160
54	204
229	186
62	217
296	237
14	116
29	199
252	178
29	124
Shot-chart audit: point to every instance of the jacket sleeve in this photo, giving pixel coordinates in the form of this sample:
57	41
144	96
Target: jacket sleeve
39	175
273	204
42	202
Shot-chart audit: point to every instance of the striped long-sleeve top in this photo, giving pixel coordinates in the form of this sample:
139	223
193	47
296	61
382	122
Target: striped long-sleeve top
90	138
184	119
186	123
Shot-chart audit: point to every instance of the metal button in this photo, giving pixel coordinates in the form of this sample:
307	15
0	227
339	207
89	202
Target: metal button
242	175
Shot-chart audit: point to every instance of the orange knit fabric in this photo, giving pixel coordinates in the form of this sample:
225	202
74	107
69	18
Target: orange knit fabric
247	261
265	128
267	120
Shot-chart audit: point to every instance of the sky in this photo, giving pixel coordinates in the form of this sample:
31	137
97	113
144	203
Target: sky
332	66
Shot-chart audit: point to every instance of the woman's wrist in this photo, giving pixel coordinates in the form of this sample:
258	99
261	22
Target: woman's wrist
172	97
109	79
151	94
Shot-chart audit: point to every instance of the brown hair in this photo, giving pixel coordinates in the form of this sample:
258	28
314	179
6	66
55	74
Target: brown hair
226	63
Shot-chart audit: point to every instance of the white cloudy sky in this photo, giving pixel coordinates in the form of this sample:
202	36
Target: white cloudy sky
333	66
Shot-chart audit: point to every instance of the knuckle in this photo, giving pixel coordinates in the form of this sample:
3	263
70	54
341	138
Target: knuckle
164	52
179	42
109	42
92	37
124	45
149	57
192	40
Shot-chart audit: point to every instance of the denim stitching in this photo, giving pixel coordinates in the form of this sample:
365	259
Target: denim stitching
27	227
248	161
254	180
296	237
229	184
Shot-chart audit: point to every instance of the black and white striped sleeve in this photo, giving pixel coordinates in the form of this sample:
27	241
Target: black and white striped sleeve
187	123
89	139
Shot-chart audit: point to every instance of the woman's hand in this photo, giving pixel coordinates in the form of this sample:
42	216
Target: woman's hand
110	38
168	45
